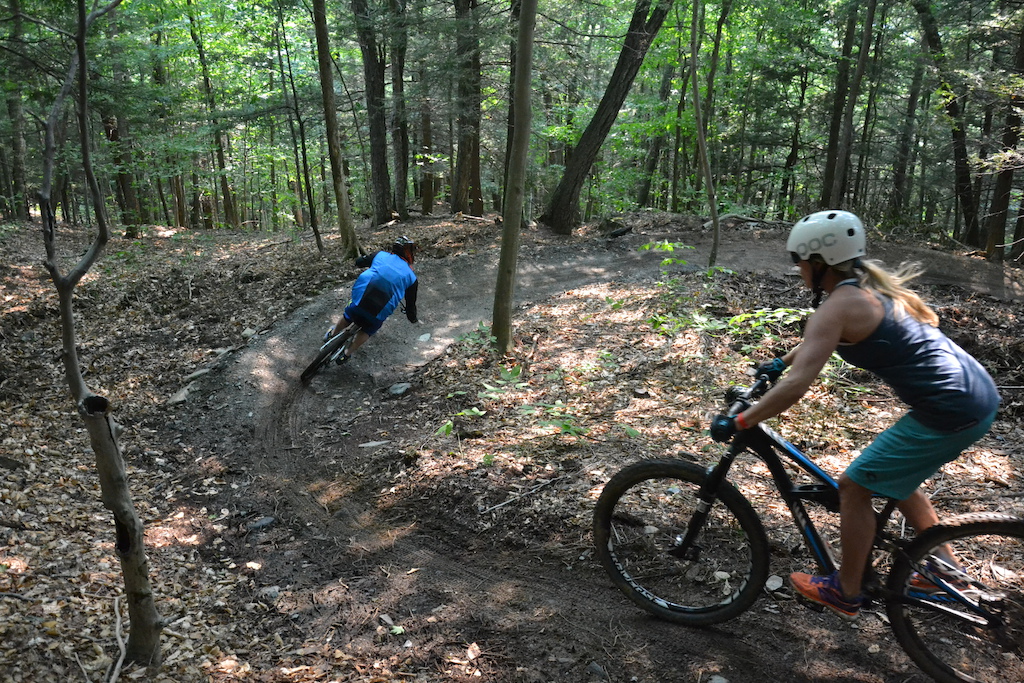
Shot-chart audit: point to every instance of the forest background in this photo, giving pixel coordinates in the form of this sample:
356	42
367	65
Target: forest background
210	114
301	119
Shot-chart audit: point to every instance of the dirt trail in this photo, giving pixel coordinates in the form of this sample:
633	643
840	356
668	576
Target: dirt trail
349	563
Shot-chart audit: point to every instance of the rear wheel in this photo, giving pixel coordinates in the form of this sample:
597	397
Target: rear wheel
327	351
641	517
973	628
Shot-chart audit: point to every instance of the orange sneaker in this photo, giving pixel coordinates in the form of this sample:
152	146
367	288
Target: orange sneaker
825	590
951	575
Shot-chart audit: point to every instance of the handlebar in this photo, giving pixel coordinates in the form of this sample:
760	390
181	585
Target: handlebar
739	398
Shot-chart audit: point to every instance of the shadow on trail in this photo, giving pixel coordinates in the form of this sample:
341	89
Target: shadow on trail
347	561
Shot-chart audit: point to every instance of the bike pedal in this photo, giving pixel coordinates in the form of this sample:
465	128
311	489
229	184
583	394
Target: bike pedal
809	604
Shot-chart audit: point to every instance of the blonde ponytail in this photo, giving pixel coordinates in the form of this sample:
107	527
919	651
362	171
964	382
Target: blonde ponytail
890	283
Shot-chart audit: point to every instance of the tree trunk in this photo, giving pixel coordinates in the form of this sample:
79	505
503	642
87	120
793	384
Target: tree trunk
504	290
643	195
16	112
716	50
302	186
898	198
1004	180
376	111
702	146
128	201
680	168
349	241
865	183
143	645
788	185
1017	252
400	122
838	193
230	214
427	183
962	166
838	107
467	195
516	8
563	212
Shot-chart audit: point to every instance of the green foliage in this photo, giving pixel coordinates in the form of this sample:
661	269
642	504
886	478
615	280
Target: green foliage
615	304
480	337
555	414
769	322
630	432
669	247
508	381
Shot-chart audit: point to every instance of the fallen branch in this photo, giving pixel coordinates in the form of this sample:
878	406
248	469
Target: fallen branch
533	490
116	671
980	496
464	216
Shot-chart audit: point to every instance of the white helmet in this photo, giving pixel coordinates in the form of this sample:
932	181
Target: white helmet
835	236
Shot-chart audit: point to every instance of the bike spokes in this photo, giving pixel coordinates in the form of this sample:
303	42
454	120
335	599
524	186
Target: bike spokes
965	621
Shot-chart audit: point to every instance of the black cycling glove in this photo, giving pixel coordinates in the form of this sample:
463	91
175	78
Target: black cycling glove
773	369
723	428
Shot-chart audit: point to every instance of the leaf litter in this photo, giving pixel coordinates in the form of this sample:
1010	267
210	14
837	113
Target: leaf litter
601	375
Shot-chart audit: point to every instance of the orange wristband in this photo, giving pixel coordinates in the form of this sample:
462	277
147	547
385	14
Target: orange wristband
740	422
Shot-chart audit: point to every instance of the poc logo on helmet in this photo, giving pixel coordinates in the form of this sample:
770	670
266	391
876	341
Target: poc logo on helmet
815	244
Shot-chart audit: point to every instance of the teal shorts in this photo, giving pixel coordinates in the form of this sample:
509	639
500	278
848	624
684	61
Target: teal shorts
907	453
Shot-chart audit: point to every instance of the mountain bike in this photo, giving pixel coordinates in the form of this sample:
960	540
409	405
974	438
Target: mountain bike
684	543
334	349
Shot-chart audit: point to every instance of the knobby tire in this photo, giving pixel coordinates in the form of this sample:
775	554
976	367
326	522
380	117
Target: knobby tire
946	638
325	353
642	513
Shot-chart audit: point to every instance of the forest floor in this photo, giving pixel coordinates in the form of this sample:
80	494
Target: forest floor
358	529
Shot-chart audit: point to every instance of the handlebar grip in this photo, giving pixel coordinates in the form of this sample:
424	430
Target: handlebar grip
740	398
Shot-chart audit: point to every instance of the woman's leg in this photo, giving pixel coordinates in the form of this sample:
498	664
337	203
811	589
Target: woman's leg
857	533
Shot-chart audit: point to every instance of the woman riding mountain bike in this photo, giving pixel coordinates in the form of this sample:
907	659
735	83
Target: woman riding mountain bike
875	323
378	291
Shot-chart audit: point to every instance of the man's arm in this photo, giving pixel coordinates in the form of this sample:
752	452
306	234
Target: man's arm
410	301
366	260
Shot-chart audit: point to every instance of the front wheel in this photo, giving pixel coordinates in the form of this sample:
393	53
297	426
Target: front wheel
641	516
971	628
327	352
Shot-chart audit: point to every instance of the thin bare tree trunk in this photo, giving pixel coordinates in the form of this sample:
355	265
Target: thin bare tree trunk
400	122
504	290
900	175
143	645
961	161
838	192
702	146
376	111
16	112
657	143
349	242
1004	180
832	167
467	195
230	214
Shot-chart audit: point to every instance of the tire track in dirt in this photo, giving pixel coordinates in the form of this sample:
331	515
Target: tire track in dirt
392	567
398	568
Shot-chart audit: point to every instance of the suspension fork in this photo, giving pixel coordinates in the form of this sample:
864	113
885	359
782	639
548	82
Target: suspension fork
687	547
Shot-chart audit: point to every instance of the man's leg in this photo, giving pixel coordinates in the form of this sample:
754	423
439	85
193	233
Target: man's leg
360	339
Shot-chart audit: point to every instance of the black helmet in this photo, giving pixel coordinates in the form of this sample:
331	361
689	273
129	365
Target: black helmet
405	248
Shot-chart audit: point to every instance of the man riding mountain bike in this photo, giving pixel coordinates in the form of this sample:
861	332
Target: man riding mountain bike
377	292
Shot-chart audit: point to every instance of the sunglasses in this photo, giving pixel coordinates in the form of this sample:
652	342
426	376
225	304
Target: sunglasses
795	256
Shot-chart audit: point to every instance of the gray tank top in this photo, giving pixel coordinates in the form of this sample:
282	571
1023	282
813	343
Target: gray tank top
945	387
